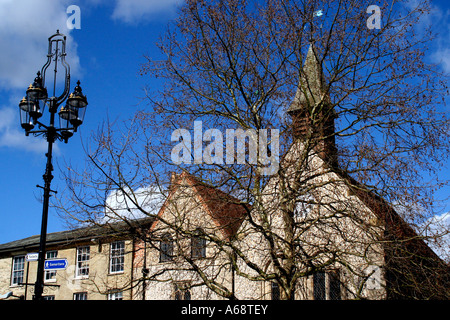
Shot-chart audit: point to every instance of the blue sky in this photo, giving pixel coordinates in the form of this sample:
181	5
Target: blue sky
105	54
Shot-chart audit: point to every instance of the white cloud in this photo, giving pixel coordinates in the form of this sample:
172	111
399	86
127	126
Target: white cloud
437	19
133	11
436	230
127	205
12	136
442	57
25	26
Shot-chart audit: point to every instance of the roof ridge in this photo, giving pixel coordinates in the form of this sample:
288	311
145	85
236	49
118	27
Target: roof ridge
77	233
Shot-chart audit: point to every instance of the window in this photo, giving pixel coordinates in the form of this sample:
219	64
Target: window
50	275
319	286
166	250
117	258
82	267
334	285
303	206
181	291
17	270
327	286
48	297
198	245
275	291
80	296
374	280
116	295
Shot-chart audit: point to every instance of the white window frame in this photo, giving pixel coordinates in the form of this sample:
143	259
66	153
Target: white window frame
115	295
18	267
82	265
50	275
304	204
117	257
80	295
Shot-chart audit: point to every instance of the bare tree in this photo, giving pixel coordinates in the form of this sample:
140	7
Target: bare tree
362	136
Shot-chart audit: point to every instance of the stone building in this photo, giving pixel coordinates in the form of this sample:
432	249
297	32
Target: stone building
319	234
99	264
316	234
187	238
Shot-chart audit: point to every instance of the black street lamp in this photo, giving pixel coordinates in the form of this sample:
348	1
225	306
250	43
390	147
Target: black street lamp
71	117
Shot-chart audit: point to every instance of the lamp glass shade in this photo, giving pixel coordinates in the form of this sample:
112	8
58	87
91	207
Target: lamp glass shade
76	102
26	121
36	90
66	116
76	122
77	99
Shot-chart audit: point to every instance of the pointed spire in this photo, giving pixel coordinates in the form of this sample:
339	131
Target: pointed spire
311	89
309	122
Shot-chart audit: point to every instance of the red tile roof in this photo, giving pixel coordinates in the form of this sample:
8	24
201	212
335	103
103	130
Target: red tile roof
226	211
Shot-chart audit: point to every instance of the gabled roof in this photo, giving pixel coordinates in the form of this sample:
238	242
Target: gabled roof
226	211
396	227
412	268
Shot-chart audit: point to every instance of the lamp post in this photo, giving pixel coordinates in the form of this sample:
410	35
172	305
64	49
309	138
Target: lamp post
70	118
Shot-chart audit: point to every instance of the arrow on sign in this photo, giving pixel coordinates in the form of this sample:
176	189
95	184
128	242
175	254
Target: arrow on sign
32	256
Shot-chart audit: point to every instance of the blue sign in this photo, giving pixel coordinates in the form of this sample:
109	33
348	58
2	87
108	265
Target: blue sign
55	264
